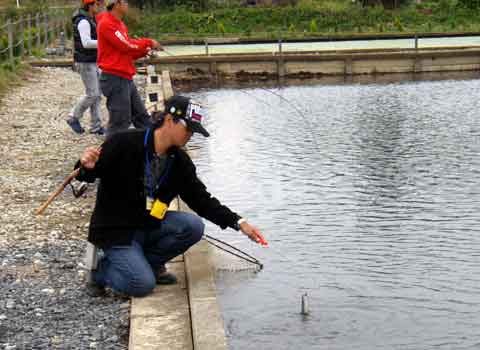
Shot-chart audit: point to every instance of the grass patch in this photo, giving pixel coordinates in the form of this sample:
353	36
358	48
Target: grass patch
11	76
308	18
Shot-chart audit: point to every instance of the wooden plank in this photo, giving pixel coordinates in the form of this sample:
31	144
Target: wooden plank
167	85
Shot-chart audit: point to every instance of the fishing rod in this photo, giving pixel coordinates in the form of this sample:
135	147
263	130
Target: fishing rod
59	190
77	192
67	181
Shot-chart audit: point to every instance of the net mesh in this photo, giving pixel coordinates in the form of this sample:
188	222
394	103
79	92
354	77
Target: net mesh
225	257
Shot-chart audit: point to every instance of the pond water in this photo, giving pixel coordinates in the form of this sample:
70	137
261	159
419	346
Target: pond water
321	46
370	198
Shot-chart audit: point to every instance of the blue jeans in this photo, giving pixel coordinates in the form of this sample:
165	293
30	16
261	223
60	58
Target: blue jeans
130	269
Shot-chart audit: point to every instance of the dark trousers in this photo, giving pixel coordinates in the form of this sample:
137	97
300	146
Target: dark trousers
125	107
130	269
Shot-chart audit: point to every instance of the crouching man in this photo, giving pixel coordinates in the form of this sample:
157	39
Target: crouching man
140	172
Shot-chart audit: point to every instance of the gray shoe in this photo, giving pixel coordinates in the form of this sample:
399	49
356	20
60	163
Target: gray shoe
164	277
100	131
75	125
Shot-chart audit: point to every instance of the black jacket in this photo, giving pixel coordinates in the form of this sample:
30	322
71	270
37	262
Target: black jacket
121	198
81	54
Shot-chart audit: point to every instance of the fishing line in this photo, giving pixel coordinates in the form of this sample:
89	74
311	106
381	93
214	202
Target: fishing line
293	262
299	112
230	249
168	53
156	52
284	99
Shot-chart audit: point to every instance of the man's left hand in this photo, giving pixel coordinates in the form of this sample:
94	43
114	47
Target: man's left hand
253	233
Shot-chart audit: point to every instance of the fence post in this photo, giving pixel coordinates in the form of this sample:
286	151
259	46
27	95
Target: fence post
206	47
21	31
416	41
53	28
29	34
64	26
56	32
10	42
280	60
59	26
61	34
38	31
46	29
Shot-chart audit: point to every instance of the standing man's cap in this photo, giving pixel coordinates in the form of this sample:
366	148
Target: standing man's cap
180	107
110	2
88	2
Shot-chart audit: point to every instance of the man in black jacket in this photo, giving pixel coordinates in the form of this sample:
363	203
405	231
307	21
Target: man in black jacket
140	172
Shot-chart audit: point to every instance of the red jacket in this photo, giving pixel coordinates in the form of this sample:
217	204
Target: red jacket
116	51
99	16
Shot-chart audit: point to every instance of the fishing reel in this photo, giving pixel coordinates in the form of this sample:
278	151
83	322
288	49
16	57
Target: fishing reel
79	190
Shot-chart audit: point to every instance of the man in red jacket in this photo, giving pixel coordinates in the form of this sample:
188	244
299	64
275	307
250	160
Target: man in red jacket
116	56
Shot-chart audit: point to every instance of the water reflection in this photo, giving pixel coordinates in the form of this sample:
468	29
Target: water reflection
370	200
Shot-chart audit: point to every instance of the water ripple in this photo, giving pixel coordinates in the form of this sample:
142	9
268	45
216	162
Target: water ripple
370	200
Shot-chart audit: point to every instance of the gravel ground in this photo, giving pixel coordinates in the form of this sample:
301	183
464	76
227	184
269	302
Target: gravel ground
43	303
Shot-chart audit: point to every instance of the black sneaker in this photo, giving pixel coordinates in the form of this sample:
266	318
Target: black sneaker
75	125
164	277
93	289
100	131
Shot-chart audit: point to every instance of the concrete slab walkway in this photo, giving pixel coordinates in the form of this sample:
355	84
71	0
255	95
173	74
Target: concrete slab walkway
185	315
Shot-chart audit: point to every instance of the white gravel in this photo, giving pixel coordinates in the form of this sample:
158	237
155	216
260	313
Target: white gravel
43	302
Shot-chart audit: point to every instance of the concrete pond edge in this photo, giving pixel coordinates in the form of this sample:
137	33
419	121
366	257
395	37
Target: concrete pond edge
186	315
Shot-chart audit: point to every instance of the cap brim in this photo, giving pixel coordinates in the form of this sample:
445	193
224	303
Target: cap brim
198	128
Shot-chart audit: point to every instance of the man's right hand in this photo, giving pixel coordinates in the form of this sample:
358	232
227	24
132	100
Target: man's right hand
90	157
156	45
253	233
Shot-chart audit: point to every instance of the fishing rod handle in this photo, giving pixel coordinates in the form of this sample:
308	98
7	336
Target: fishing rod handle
59	190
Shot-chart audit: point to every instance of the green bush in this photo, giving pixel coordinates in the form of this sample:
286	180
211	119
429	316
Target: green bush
469	4
221	28
310	16
3	42
398	24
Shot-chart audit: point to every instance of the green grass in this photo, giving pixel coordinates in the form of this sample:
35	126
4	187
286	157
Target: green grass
11	75
309	18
